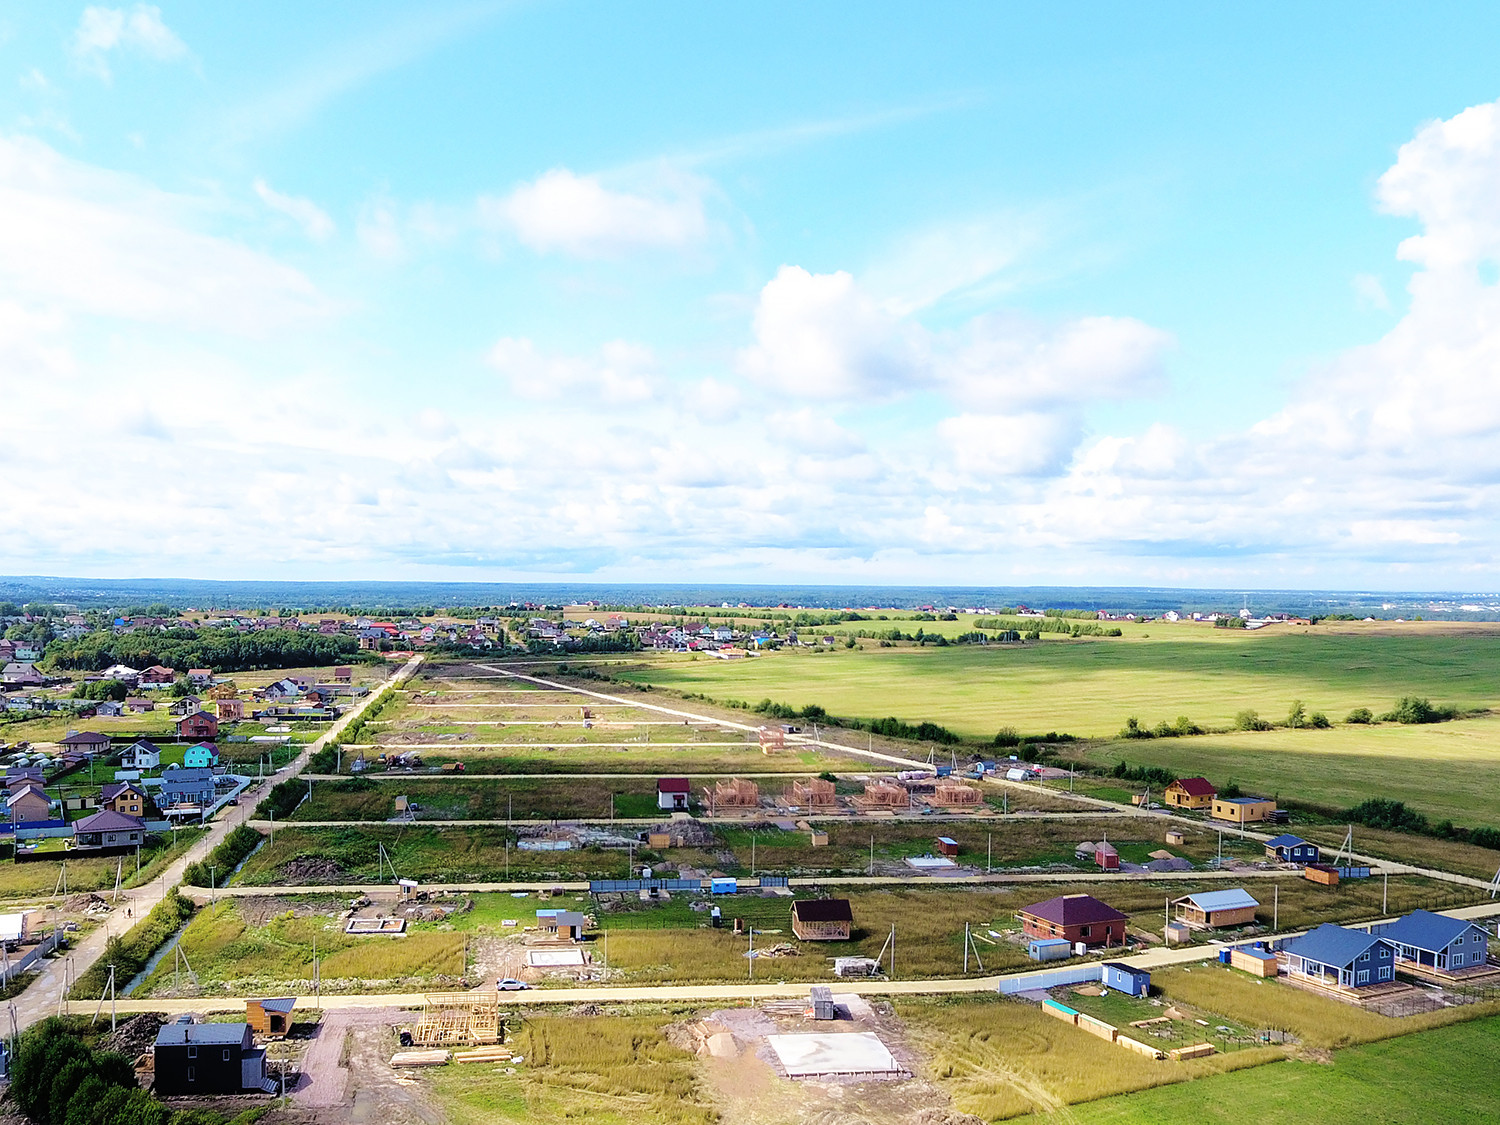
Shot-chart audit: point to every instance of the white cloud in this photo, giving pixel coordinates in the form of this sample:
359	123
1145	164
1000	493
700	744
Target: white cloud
102	30
1370	292
623	373
379	231
313	220
578	215
991	446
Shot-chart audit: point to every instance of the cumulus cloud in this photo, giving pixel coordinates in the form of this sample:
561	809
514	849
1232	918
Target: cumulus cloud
622	373
561	211
102	30
313	220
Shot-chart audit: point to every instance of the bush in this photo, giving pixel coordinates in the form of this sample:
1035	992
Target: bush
58	1079
1360	715
222	861
1249	720
1411	709
1006	737
1296	718
1318	721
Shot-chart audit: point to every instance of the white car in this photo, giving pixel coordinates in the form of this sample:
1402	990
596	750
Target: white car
510	984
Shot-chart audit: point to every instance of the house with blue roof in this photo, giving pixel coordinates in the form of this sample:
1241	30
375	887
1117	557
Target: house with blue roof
1435	941
1217	908
1341	958
1292	849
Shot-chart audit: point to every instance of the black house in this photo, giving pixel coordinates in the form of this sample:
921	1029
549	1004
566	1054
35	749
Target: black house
208	1058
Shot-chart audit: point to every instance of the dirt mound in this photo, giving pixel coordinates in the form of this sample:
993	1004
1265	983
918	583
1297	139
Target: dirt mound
936	1115
84	904
311	869
586	1010
133	1036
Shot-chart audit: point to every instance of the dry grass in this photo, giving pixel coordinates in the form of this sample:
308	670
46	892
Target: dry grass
1419	851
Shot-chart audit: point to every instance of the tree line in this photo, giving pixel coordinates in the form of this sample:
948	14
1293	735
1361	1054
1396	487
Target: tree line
223	650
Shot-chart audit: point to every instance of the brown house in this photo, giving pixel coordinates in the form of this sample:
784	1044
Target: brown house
200	724
230	710
1242	810
28	802
124	797
1077	918
1190	793
822	919
270	1017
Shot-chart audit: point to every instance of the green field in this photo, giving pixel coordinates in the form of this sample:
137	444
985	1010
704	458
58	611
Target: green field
39	877
1090	686
1443	1075
673	760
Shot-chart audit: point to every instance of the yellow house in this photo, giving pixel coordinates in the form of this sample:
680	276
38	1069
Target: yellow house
1242	810
1190	793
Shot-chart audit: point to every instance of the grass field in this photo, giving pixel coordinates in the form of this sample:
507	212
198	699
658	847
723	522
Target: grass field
248	947
1089	687
546	758
1446	770
1442	1075
93	873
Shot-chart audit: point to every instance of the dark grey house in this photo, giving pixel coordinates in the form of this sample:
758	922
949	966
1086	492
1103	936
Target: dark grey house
209	1058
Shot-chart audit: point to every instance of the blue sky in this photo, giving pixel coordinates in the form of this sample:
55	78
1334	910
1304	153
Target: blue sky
959	293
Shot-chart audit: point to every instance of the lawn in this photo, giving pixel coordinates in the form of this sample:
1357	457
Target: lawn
40	877
1090	686
1443	1075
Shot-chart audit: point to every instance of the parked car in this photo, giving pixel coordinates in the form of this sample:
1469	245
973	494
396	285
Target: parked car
510	984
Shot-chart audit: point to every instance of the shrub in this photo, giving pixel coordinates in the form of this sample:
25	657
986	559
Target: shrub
282	800
1133	729
220	864
1296	718
1249	720
1006	737
1411	709
1360	715
130	952
1318	721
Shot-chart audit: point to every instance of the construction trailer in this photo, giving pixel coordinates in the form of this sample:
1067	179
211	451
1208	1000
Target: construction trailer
458	1019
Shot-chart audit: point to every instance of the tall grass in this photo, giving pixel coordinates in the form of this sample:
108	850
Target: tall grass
130	952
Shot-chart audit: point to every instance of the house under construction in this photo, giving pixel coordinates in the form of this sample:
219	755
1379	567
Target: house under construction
772	739
734	793
815	793
954	793
458	1019
886	795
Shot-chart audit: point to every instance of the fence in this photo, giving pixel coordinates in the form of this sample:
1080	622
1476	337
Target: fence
22	964
1050	978
629	886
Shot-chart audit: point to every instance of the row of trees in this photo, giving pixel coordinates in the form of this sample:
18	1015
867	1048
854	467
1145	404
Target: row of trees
223	650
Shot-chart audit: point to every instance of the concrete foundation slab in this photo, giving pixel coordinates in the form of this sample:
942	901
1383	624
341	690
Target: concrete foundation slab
555	958
849	1054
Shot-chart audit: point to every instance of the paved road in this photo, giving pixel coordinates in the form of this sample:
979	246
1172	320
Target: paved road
42	997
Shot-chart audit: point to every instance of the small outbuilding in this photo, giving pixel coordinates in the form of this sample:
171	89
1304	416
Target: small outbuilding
1049	949
1127	979
822	919
1106	857
1242	810
1217	908
822	1003
1287	848
947	845
1255	961
672	794
270	1017
568	924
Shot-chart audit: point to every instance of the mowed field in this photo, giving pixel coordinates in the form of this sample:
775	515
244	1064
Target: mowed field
1443	1075
1445	770
1090	686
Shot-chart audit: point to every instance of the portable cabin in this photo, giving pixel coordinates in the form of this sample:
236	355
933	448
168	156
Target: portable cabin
822	1002
1049	949
1217	908
1106	857
270	1017
1256	962
822	919
1175	839
1126	979
1335	956
1242	810
947	845
723	885
1321	873
1435	941
208	1058
1292	849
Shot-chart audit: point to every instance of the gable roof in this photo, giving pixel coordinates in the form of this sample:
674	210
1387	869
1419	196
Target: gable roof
146	745
21	790
1220	900
1286	840
672	785
1195	786
216	1034
1426	930
1332	945
83	738
107	820
1074	910
822	910
114	788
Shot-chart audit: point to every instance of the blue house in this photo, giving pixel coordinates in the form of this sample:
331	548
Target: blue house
1338	957
203	755
1123	978
186	786
1437	941
1292	849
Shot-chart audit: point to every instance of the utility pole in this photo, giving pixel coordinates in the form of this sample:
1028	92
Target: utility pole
1275	906
966	949
1385	886
989	853
213	886
871	870
751	958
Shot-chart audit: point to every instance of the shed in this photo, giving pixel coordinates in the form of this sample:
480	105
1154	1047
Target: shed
270	1017
947	845
1178	932
1217	908
1175	838
672	793
1256	962
568	924
822	919
818	838
1321	873
1049	949
723	885
822	1002
1106	857
1126	979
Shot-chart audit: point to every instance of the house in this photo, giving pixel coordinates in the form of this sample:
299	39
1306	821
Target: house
343	674
200	677
1242	810
230	710
822	919
1127	979
138	706
1217	908
87	741
568	924
270	1017
1078	918
192	787
208	1058
109	709
142	756
107	830
672	793
28	802
122	672
125	797
1435	941
280	689
157	676
1292	849
187	705
17	776
202	756
1190	793
17	674
200	724
1341	958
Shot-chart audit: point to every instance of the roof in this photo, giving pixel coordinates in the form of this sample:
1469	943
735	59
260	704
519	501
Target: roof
1331	945
1221	900
1195	786
21	790
114	788
1425	930
1121	967
672	785
201	1033
1285	840
282	1004
823	910
1246	800
83	738
107	820
1073	910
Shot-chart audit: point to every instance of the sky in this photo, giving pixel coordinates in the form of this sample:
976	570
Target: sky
990	293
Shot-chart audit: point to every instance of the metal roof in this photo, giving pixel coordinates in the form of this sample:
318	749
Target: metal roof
1074	910
1245	800
1195	786
1286	840
107	820
280	1004
1423	929
1332	945
201	1033
1220	900
822	910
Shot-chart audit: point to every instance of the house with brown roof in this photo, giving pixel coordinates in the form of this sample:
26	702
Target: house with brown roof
1075	918
822	919
200	724
107	831
1190	793
124	797
157	676
138	706
87	741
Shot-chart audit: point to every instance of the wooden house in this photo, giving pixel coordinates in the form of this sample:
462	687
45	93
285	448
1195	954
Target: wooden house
1076	918
1424	940
955	793
886	795
1190	793
1242	810
208	1058
1217	908
732	793
124	797
230	710
814	792
270	1017
822	919
947	845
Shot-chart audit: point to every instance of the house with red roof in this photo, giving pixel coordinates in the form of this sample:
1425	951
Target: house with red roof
1191	793
1075	918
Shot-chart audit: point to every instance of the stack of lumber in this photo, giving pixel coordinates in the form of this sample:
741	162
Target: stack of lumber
483	1055
420	1058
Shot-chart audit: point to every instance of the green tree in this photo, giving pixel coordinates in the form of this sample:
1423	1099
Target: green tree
1296	718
